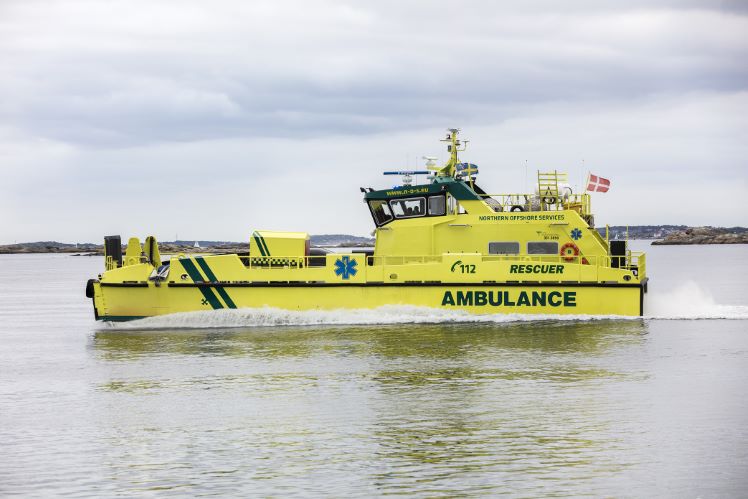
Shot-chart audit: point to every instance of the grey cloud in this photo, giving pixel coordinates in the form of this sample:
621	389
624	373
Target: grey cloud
152	105
289	69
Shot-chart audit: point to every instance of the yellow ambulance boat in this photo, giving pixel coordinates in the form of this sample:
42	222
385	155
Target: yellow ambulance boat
445	244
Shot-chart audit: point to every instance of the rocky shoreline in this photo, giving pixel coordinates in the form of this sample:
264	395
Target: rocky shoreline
176	247
673	236
706	235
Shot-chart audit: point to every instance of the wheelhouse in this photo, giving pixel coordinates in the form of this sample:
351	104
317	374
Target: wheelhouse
431	200
384	211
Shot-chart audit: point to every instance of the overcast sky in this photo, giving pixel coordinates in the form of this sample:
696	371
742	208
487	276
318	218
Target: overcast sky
207	120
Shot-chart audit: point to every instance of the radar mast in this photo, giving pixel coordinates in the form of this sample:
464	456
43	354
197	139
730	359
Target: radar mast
454	146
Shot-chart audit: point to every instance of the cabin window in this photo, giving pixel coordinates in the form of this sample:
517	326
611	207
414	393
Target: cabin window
408	208
542	248
437	205
380	211
503	248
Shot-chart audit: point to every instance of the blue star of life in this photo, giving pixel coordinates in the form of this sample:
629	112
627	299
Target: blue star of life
576	234
345	267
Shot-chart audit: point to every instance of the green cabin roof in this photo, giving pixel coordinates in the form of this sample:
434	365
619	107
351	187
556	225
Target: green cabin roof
458	188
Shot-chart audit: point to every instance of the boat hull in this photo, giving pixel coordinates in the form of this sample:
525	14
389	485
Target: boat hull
127	301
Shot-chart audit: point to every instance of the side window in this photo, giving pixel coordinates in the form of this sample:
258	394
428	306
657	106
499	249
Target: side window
437	205
408	208
380	211
542	248
503	248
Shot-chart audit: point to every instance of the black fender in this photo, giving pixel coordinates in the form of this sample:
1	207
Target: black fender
90	288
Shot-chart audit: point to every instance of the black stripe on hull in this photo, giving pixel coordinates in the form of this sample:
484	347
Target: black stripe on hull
400	284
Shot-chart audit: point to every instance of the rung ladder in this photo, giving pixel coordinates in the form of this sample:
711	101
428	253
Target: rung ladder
548	183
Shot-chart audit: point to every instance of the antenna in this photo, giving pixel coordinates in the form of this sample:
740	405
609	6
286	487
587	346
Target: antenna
430	162
582	187
407	174
453	147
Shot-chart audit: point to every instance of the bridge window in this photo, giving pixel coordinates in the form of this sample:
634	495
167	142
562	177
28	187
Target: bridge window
408	208
380	211
437	205
542	248
503	248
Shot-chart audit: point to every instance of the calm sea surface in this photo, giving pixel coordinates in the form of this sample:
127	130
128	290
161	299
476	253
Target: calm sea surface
653	407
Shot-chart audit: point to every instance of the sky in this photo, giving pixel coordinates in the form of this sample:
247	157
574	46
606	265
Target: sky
208	120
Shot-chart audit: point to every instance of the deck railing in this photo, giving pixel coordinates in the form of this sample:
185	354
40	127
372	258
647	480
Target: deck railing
584	267
533	202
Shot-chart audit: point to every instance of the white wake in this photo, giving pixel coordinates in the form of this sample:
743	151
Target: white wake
688	301
388	314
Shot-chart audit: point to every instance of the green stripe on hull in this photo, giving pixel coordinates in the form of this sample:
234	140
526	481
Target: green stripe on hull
267	250
212	277
196	277
259	244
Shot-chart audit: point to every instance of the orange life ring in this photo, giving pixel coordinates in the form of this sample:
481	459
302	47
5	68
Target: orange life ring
569	251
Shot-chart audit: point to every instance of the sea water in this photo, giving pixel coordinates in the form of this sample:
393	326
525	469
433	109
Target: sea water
400	400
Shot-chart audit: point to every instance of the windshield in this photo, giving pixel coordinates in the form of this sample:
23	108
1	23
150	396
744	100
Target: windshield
406	208
380	211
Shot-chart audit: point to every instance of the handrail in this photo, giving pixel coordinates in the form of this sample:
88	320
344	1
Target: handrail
534	202
634	261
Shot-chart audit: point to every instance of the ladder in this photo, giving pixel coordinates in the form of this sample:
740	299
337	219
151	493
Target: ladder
548	183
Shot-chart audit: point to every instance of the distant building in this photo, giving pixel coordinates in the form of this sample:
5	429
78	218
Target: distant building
197	245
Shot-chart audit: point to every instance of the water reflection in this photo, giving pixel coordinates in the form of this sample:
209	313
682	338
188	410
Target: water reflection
437	341
396	358
432	409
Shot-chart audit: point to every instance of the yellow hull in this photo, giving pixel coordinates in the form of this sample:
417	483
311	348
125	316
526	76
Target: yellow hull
117	302
446	244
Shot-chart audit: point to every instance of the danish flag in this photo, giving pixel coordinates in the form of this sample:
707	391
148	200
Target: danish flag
597	184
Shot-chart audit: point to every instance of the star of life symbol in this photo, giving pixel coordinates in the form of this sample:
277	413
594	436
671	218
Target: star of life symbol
345	267
576	234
